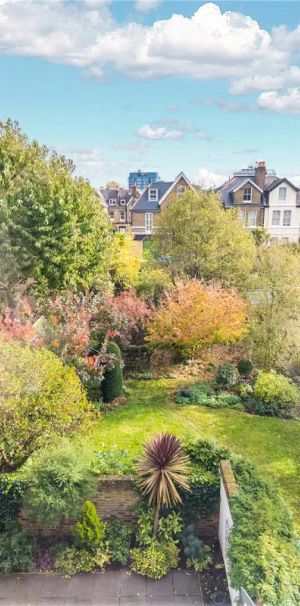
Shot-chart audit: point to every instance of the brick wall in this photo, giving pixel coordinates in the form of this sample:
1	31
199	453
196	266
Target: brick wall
116	496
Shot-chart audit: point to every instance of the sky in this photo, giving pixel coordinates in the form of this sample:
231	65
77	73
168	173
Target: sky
204	88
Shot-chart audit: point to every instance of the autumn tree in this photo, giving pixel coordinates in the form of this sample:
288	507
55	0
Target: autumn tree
194	315
196	238
275	296
124	261
53	231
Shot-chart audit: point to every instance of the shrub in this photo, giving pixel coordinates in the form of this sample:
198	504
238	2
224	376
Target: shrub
11	495
155	560
276	391
198	555
40	398
119	535
71	561
59	480
226	375
244	390
115	461
16	550
264	556
245	367
89	530
112	384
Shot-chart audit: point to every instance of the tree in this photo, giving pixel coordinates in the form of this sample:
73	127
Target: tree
162	467
112	185
125	261
194	315
39	398
196	238
275	297
112	384
53	231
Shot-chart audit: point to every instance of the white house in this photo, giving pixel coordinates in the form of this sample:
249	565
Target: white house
282	211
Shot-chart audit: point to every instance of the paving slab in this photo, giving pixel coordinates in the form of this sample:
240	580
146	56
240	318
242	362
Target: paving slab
81	587
186	583
54	587
133	585
7	586
107	584
161	588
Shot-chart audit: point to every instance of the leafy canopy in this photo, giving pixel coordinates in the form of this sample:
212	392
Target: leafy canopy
194	315
53	231
197	239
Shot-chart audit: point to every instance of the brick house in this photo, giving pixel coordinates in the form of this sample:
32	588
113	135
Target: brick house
118	204
153	200
264	200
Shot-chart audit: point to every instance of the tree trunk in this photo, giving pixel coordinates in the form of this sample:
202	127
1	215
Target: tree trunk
156	520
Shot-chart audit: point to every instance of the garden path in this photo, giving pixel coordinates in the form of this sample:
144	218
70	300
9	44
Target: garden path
111	588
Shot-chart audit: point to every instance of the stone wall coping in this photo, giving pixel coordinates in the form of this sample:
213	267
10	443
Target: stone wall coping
229	481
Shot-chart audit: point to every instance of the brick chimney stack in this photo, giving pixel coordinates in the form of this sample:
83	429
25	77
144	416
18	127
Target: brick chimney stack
260	173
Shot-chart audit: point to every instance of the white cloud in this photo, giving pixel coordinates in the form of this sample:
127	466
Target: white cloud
287	102
146	5
160	132
208	179
296	180
287	77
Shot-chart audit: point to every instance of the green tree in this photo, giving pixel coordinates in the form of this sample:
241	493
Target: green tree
196	238
39	398
112	384
53	231
124	261
275	297
89	530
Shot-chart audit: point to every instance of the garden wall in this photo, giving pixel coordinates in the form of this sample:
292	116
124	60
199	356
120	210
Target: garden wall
116	496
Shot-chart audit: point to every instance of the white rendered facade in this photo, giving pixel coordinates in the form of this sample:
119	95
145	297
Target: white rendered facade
282	215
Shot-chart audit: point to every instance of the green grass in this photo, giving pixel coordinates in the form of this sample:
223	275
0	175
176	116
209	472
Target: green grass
272	444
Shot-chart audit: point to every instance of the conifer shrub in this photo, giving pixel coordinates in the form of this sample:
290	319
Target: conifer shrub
90	530
112	384
245	367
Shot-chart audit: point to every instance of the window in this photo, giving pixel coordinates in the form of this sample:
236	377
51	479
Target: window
180	190
122	202
112	216
148	223
247	194
122	216
276	217
122	229
282	193
153	195
112	202
274	240
248	218
285	240
287	215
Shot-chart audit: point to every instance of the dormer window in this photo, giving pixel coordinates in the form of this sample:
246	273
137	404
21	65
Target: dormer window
122	202
112	202
282	193
247	194
180	190
153	195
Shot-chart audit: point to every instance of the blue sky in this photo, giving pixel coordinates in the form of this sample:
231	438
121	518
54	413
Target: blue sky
119	86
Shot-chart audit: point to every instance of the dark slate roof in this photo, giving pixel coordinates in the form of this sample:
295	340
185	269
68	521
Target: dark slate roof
117	194
225	191
278	181
144	204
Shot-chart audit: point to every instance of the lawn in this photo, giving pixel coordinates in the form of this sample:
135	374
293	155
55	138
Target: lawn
272	444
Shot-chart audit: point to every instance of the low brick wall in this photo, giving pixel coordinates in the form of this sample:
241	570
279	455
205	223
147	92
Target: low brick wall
116	496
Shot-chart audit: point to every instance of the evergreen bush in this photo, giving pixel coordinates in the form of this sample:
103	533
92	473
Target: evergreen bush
112	384
245	367
277	392
90	530
226	375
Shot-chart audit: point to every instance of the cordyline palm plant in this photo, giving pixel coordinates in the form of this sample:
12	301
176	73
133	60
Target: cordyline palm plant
162	466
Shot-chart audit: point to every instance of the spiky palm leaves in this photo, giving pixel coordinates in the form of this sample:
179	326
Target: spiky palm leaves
163	466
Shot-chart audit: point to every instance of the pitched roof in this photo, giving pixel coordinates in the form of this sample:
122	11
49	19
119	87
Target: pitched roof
144	204
234	183
117	194
278	181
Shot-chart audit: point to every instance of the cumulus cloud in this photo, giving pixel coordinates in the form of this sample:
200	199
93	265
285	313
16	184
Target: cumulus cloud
208	179
146	5
283	103
160	132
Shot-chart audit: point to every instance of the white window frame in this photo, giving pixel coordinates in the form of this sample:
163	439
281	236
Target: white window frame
112	202
112	216
148	223
277	214
181	189
282	189
246	200
122	216
122	202
245	217
155	197
122	229
284	220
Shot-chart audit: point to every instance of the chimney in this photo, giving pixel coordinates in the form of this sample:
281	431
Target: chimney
260	173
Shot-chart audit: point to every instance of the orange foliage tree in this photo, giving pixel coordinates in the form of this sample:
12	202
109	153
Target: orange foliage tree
194	315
